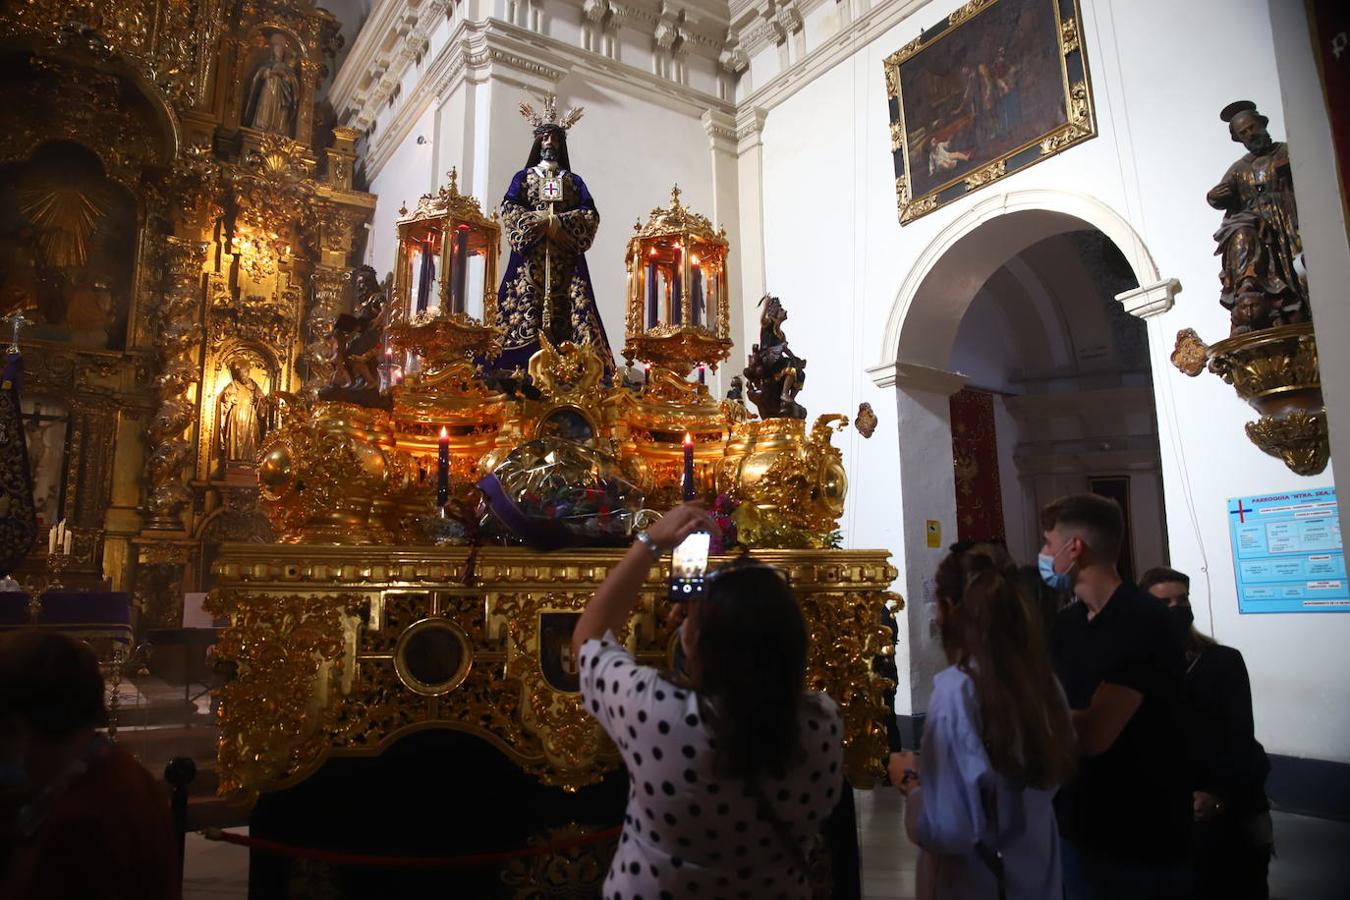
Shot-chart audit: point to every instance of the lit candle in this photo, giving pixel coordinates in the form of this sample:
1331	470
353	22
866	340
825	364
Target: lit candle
388	361
51	540
702	375
443	469
688	466
66	548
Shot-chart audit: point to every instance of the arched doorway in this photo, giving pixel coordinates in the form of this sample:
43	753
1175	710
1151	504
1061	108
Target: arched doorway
1012	310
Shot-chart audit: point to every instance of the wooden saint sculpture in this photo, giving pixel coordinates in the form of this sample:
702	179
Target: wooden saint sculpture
1262	270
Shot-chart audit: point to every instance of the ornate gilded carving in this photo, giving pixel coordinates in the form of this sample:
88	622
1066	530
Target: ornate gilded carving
1190	353
866	420
791	489
177	343
272	192
992	172
292	653
323	470
315	677
967	10
1068	35
165	41
1299	438
572	742
1275	371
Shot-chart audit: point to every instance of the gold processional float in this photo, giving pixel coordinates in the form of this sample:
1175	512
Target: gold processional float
387	609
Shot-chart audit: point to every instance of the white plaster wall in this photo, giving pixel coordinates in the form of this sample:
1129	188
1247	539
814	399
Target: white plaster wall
837	256
410	174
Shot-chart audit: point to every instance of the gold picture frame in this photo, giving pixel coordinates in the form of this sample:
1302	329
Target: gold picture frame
997	86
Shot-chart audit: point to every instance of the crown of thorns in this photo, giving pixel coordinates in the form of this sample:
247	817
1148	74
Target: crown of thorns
549	119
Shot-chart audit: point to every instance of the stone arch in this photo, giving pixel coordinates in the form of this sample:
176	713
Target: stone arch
916	350
941	284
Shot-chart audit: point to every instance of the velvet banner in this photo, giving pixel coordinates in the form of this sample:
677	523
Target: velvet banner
979	497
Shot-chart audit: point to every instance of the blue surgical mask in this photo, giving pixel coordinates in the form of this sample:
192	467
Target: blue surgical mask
1058	581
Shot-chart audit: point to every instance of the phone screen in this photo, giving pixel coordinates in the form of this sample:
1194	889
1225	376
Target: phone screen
688	565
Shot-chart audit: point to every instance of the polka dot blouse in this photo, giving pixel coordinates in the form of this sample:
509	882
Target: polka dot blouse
688	832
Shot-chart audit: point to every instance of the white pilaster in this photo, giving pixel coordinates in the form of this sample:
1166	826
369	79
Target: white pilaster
750	167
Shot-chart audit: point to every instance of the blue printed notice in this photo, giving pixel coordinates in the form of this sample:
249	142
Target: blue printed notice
1287	553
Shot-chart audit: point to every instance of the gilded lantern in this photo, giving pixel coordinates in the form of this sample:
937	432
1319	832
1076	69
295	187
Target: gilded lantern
445	280
678	313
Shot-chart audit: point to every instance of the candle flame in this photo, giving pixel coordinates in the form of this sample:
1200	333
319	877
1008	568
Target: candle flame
444	434
688	439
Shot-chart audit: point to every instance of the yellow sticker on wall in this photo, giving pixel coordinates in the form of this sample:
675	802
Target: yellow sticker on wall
934	534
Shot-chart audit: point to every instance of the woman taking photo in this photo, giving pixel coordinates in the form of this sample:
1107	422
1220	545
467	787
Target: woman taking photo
732	771
997	742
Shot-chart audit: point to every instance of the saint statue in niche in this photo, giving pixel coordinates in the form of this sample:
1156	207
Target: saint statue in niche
242	407
550	221
273	91
1262	270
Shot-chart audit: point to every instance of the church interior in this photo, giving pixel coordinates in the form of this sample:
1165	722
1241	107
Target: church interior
351	345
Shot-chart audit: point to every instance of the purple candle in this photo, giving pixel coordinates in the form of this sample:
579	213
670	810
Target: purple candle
688	492
443	469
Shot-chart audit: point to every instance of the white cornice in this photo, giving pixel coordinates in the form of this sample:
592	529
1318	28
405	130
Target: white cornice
839	47
505	48
913	378
1150	300
392	39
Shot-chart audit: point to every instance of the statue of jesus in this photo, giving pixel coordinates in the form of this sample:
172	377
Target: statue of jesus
550	221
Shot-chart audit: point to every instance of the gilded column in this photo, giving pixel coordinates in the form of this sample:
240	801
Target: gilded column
325	304
178	345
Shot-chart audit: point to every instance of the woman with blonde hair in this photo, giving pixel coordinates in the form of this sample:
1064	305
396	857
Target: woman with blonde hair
998	741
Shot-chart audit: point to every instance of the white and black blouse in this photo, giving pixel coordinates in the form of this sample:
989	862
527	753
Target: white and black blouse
687	831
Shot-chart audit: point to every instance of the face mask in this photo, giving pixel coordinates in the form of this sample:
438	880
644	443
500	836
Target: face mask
1182	617
1059	581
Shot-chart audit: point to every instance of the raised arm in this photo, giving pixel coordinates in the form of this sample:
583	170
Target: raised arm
614	599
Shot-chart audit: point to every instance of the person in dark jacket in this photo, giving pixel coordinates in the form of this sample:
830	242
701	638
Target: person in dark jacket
1232	837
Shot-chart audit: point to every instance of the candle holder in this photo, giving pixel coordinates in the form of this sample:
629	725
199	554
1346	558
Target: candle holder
678	312
445	281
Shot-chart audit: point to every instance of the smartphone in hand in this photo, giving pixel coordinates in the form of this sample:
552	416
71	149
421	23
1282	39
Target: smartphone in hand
689	566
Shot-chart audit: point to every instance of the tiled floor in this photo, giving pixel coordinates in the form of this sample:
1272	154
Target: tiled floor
1313	862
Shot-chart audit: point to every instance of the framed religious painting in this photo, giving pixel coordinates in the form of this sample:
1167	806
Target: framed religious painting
997	86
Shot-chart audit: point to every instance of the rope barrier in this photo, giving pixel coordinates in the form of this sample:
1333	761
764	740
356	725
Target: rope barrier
337	857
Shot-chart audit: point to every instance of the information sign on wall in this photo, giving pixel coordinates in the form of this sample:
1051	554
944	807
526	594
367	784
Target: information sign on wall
1287	553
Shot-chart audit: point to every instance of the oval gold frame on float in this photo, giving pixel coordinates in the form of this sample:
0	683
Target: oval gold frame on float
411	681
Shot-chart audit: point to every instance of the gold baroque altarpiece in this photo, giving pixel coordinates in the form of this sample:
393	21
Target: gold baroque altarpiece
186	220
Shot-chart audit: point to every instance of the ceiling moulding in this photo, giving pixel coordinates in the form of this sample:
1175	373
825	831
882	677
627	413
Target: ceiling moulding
399	31
393	38
834	50
520	56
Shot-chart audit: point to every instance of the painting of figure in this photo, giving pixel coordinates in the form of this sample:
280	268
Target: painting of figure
993	84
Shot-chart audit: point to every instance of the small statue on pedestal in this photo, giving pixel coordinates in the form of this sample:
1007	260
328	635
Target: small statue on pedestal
242	409
1262	271
737	389
357	336
774	373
